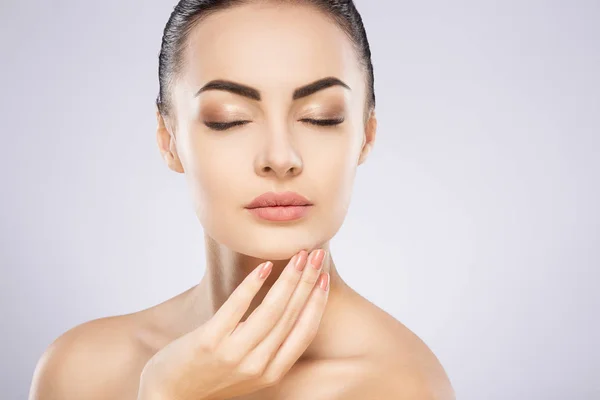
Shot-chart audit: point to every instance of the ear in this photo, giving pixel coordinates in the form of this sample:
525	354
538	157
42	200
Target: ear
166	144
369	137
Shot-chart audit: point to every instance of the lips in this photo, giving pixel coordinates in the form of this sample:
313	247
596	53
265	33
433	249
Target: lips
280	207
284	199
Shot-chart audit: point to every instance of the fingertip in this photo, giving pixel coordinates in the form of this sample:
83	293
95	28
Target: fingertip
265	270
324	281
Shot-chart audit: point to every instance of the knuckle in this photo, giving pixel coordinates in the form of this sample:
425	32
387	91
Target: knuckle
270	313
252	371
308	279
291	315
271	378
228	358
290	278
207	345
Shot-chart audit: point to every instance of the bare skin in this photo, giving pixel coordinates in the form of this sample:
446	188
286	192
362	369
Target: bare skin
359	351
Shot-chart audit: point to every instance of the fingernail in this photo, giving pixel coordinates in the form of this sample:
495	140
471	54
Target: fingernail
298	262
324	282
265	270
317	258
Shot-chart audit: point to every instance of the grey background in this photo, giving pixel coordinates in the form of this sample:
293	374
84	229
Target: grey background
475	221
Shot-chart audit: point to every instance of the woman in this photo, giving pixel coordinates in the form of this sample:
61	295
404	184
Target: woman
267	107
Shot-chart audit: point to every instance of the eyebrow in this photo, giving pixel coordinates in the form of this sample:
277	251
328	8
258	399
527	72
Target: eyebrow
254	94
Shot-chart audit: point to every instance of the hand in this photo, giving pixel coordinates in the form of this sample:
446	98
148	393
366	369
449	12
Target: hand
224	358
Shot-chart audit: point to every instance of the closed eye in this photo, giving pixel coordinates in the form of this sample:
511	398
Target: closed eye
324	122
221	126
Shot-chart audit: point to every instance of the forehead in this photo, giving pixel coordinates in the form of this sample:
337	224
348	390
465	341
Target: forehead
270	47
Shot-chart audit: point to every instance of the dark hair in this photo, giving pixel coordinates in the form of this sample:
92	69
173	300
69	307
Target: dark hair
188	13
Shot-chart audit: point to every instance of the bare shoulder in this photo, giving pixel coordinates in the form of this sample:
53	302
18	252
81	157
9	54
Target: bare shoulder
387	380
397	363
98	359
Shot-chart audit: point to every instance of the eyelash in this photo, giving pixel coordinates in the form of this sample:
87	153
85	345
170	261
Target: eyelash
221	126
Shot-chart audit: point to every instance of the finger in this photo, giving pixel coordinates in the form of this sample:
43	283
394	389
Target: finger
302	263
239	326
265	350
303	332
265	316
231	312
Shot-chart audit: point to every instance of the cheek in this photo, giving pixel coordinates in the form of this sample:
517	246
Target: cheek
216	179
335	179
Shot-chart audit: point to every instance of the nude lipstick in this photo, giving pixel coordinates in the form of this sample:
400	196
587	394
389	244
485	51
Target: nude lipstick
285	206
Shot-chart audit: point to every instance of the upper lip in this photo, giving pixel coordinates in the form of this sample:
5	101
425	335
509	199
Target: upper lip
272	199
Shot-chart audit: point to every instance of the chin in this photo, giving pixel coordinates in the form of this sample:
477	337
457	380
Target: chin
275	241
275	246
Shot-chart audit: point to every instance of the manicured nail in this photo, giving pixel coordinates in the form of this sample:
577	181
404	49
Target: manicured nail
324	281
265	270
317	258
298	262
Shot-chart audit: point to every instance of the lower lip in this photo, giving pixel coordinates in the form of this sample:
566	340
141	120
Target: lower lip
280	213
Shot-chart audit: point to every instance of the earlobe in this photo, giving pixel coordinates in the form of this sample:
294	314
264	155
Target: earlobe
166	144
368	137
364	153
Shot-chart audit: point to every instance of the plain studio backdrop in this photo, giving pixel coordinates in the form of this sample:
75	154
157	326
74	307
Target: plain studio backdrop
474	221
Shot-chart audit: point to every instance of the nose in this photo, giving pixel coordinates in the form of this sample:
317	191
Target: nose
278	156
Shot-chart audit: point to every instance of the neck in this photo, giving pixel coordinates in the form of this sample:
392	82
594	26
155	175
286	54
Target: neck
226	269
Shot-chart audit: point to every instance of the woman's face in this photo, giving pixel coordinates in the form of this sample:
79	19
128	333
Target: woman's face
275	50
